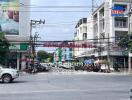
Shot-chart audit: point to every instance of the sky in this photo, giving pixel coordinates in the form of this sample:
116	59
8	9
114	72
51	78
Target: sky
58	25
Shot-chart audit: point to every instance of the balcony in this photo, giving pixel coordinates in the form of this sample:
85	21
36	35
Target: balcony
121	25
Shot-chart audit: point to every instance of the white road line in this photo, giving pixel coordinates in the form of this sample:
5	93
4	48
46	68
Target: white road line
46	91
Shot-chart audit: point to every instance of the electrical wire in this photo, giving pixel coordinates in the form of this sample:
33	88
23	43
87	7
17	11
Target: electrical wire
49	6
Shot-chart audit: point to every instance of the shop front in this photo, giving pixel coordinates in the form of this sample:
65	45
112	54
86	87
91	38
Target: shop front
18	56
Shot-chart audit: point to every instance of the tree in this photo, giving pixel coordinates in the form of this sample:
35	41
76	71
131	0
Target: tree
43	55
4	48
126	42
51	57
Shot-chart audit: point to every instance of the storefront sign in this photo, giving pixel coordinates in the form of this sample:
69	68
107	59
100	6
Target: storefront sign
118	10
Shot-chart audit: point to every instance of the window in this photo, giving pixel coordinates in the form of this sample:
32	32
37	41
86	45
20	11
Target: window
84	36
121	22
84	20
70	49
70	55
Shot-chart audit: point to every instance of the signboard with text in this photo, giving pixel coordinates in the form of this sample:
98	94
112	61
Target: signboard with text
118	10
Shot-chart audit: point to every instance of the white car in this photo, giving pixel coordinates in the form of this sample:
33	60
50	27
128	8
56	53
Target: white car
7	75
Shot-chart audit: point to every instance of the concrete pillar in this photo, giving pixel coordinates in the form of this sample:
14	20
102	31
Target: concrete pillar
18	63
23	62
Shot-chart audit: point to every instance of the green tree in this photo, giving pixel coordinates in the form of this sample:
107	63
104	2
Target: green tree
126	42
43	55
51	56
4	48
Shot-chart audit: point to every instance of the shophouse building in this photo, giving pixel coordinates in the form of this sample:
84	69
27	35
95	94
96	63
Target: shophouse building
15	23
110	25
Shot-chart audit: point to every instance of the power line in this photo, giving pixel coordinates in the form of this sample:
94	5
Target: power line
48	11
39	6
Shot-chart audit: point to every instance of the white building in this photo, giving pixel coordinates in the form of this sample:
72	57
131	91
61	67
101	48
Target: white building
109	26
83	34
80	35
15	22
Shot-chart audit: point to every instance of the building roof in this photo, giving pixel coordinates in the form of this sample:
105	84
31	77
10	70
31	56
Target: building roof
81	21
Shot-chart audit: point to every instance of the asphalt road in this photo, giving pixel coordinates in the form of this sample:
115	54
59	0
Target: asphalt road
68	86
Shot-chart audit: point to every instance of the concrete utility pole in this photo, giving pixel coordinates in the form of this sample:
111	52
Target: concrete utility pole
34	38
129	32
108	55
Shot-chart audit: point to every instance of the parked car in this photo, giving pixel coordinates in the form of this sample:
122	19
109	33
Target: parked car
7	75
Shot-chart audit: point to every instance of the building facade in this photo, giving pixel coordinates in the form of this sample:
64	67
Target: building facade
63	55
83	34
110	25
15	23
80	35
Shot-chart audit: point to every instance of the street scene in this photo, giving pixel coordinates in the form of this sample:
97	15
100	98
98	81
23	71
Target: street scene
68	86
65	50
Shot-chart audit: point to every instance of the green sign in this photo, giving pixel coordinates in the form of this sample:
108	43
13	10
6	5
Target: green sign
23	46
60	53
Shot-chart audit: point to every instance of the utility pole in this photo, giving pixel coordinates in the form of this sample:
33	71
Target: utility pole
92	6
108	54
129	32
34	38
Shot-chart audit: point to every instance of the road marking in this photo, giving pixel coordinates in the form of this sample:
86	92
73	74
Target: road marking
47	91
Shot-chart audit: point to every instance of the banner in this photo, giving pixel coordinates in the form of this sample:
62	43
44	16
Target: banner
9	17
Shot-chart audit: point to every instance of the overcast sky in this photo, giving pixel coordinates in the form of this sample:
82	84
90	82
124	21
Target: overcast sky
59	25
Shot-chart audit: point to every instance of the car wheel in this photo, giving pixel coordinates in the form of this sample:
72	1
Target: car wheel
6	78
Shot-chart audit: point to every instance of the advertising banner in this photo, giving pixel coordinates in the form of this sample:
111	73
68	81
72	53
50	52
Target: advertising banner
9	17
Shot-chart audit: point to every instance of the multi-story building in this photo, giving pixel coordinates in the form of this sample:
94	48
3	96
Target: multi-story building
15	23
80	35
63	55
83	34
67	54
110	24
58	55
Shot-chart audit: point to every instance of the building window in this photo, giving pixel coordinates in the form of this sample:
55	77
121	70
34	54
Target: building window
84	20
70	55
121	22
70	49
65	57
84	36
